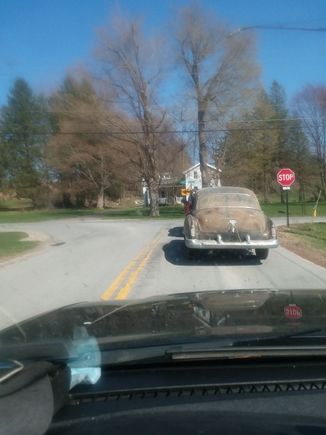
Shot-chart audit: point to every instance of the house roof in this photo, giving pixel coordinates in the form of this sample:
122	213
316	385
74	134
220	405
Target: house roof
196	166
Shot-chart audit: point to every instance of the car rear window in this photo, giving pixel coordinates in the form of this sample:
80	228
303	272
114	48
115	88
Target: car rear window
213	200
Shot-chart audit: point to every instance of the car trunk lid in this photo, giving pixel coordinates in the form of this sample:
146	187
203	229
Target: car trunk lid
231	220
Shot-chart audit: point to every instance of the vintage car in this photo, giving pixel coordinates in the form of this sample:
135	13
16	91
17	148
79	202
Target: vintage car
227	218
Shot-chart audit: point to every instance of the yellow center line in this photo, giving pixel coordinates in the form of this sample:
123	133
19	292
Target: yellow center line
106	295
119	279
124	292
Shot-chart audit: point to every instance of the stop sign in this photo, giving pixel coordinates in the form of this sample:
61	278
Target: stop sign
293	311
285	177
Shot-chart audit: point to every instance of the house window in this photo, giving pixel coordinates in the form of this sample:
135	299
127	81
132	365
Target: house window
195	175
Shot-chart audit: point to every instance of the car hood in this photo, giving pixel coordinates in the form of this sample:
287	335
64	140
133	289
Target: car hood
234	313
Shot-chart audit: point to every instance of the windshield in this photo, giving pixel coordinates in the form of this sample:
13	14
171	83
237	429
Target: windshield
118	121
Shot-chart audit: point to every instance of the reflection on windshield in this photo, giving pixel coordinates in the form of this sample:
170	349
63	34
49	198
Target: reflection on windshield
100	165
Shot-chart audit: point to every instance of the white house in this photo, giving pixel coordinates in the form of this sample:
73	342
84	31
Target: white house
171	187
193	177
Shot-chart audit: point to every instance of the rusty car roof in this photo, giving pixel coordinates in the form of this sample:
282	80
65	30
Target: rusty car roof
226	196
225	189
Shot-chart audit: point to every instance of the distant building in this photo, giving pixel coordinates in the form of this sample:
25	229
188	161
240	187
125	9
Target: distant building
171	187
193	178
169	190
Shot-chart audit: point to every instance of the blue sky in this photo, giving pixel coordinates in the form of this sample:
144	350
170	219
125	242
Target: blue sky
40	40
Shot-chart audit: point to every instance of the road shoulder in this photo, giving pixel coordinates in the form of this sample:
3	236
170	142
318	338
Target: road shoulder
295	244
40	240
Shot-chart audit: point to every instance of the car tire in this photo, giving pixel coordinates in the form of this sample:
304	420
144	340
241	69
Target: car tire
262	254
192	254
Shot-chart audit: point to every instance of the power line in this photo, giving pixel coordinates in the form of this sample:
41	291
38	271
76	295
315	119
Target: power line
249	121
279	27
296	29
260	120
74	117
187	131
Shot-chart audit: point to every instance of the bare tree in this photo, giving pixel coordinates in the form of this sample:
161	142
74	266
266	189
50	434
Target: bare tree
132	65
311	105
173	155
221	68
79	151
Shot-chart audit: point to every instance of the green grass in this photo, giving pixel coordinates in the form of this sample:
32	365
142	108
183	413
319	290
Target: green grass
295	209
166	212
15	204
40	215
311	234
11	243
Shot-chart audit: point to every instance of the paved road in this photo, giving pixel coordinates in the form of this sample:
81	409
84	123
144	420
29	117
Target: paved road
92	260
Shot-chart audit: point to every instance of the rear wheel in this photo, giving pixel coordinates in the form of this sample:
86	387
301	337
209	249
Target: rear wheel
192	254
262	254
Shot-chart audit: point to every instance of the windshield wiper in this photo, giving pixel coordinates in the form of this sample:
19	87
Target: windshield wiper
247	353
208	351
315	334
169	354
280	346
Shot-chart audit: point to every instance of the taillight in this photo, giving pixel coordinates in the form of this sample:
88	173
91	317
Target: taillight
192	228
273	232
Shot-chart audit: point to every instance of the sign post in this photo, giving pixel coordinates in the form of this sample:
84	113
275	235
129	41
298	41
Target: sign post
287	205
286	177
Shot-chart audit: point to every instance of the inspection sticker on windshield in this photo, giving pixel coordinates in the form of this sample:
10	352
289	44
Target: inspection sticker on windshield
293	312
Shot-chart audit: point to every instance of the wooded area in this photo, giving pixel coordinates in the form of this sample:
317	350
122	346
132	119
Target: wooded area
106	131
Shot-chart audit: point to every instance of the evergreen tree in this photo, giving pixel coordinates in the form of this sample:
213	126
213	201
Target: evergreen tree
25	127
293	150
251	152
301	160
277	98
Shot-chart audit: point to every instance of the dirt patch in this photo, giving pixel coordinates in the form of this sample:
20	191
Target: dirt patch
299	246
40	241
34	236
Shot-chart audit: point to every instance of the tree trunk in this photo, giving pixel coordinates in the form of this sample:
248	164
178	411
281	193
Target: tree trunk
218	171
153	187
301	191
66	200
265	186
323	179
100	199
203	152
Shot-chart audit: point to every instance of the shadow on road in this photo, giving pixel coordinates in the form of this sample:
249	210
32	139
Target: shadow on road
176	232
175	253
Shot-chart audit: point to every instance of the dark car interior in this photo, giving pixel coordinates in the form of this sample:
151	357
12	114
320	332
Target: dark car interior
236	397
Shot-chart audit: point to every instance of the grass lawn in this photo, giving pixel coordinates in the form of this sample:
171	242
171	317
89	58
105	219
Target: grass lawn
39	215
295	209
306	240
166	212
11	243
15	204
310	234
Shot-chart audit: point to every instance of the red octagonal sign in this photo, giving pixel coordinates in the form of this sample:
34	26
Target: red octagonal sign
293	312
285	177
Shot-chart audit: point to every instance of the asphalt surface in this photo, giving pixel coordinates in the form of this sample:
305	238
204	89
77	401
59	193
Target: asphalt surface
91	260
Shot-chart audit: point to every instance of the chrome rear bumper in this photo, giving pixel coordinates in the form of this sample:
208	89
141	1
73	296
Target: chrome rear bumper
219	244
